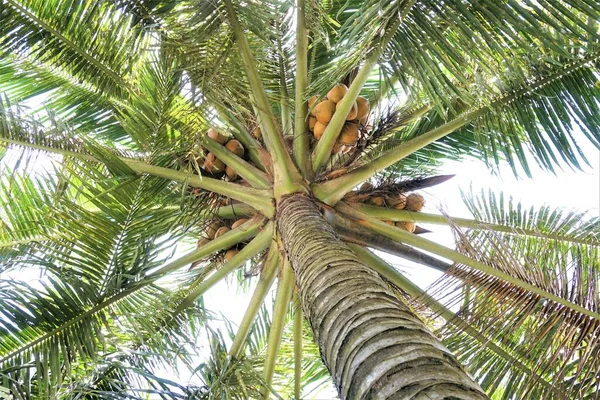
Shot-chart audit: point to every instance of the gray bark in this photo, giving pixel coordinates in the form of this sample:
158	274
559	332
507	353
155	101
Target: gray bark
373	344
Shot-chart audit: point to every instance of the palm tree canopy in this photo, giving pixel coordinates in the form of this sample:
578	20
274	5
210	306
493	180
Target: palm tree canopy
136	102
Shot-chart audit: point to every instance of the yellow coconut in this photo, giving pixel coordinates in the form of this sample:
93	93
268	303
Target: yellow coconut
230	254
338	148
311	122
221	231
389	222
414	202
406	225
337	92
397	201
362	107
213	165
211	229
376	200
256	132
202	241
353	111
319	129
216	136
238	222
311	105
235	147
231	174
349	134
324	111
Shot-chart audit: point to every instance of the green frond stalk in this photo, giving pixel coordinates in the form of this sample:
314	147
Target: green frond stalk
301	137
391	214
258	244
267	277
280	308
322	151
255	177
287	178
259	199
442	251
233	211
330	192
298	330
352	232
402	282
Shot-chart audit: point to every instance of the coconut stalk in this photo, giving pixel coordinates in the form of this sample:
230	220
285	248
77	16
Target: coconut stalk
282	300
436	219
258	244
255	177
405	284
267	277
332	191
322	151
301	137
287	178
427	245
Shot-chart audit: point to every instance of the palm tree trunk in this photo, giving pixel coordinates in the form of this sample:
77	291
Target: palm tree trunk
373	344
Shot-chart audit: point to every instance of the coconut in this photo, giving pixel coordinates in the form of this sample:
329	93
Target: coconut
201	242
414	202
406	225
397	201
238	222
211	229
376	200
337	92
256	132
221	231
311	122
324	111
362	107
231	174
353	111
213	165
366	186
235	147
349	135
392	223
318	130
216	136
230	254
338	148
311	105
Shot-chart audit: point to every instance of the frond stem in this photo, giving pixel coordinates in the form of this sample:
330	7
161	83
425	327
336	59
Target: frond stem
267	277
442	251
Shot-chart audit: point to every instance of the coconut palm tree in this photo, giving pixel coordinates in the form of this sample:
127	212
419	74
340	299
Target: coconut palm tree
290	139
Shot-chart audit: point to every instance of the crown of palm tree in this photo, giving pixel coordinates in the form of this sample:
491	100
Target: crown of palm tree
143	106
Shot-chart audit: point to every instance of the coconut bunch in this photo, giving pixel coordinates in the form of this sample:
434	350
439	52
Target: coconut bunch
212	164
214	229
321	112
384	197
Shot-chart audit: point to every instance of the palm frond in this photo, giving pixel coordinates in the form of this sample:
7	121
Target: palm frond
556	342
66	36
